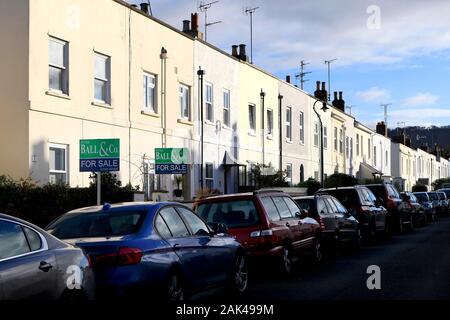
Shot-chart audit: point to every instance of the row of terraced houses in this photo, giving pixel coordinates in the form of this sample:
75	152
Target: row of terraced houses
78	69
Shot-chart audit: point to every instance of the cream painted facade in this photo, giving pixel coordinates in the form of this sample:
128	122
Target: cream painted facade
256	145
381	159
222	78
133	44
295	132
363	151
343	135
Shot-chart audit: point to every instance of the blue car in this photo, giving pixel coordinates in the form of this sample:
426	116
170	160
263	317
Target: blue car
153	249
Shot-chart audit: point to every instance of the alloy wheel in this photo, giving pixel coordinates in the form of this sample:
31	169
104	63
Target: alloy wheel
241	274
287	260
317	251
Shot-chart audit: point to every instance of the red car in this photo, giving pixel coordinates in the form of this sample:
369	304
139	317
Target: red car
269	224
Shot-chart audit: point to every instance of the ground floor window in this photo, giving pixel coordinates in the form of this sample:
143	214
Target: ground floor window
209	177
289	173
58	163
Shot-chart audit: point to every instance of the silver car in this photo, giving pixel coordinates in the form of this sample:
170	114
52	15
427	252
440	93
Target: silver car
35	265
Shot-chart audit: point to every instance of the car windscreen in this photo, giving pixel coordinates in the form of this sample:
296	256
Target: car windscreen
433	196
348	197
421	197
307	204
97	224
441	196
233	213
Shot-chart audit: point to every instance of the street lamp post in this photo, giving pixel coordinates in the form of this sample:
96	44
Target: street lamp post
200	74
324	108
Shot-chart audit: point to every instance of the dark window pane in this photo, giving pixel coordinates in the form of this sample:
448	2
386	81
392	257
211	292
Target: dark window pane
282	207
162	228
197	226
33	239
174	222
270	208
234	214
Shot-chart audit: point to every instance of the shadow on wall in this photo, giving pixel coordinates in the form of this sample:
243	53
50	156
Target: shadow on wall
39	165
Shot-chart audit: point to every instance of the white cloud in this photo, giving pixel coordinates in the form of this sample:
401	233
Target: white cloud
419	117
373	94
421	99
287	31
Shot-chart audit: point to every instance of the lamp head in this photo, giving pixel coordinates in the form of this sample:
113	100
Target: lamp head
324	106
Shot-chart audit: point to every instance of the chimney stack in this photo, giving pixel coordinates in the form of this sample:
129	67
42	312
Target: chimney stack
144	7
381	128
321	94
242	52
288	79
341	102
234	51
335	101
191	27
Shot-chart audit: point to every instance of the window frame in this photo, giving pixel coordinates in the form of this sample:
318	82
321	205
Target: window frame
44	244
182	88
288	124
325	137
301	122
335	139
65	147
63	68
226	107
154	107
316	135
269	115
209	179
107	80
209	103
289	170
251	118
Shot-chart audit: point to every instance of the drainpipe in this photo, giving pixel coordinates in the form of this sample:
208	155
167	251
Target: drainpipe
200	74
163	57
262	95
280	126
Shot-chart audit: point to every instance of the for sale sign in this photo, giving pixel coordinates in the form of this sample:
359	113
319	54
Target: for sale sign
99	155
171	160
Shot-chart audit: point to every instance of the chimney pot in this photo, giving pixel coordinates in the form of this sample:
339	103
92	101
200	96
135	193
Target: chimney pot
242	50
340	95
288	79
323	86
234	50
144	7
194	21
186	25
317	85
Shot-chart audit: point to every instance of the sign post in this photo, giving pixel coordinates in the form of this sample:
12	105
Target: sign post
171	160
99	155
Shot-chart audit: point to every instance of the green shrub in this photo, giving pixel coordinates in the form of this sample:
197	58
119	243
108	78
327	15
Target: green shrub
340	180
311	185
41	204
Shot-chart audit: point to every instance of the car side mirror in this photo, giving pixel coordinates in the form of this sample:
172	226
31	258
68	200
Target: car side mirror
303	214
379	202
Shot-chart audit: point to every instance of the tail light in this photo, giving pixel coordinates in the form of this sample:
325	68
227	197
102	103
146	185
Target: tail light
125	256
265	236
320	221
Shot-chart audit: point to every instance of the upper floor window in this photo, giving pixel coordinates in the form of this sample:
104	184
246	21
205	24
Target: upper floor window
58	163
184	94
325	137
269	122
375	155
302	127
58	79
226	107
351	147
341	141
150	92
252	117
335	139
289	124
102	78
316	134
357	144
368	148
209	102
347	146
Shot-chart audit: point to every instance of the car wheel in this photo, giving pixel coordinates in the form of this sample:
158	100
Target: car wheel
317	250
240	277
287	260
175	290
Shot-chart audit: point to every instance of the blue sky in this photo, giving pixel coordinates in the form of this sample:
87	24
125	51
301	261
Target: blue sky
387	51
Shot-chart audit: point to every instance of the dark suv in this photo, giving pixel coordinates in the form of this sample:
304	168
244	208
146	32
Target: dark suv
417	210
269	224
338	225
398	217
361	203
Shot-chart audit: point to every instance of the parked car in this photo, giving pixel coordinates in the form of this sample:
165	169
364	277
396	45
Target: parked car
437	203
362	204
398	217
417	210
161	249
447	193
338	225
36	265
268	224
444	201
424	199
